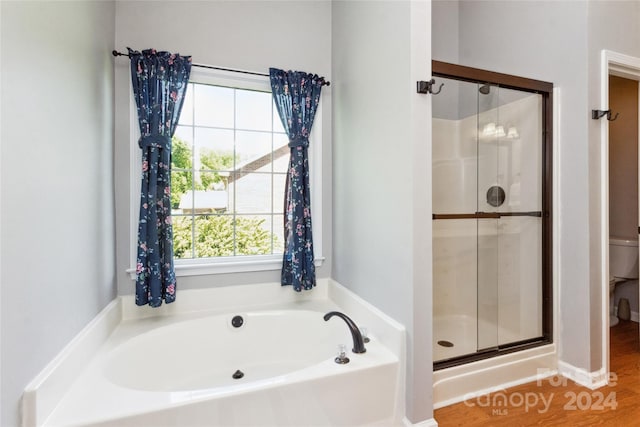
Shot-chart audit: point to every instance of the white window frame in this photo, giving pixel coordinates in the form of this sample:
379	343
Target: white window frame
233	264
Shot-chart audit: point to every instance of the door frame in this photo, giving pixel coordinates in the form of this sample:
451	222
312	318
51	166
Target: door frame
621	65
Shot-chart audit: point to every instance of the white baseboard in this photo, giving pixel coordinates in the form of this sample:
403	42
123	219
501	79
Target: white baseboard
426	423
635	316
591	380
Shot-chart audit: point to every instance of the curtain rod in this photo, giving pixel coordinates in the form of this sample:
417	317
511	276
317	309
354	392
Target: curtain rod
211	67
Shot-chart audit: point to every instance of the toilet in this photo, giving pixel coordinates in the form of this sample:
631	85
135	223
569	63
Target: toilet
623	266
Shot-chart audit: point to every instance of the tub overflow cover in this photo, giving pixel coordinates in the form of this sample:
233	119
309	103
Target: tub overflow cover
237	321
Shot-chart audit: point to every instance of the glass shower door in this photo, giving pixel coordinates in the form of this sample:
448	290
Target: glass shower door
457	252
489	198
520	226
510	192
487	223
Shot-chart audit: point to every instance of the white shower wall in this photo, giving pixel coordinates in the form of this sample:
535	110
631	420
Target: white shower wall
487	270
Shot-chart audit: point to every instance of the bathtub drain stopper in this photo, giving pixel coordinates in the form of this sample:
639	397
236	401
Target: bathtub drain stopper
238	374
237	321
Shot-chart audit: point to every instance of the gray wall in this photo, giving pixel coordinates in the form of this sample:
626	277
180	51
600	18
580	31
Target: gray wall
523	38
58	261
445	30
612	25
246	35
381	161
558	42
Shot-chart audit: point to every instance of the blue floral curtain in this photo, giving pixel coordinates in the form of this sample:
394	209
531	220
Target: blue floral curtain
296	95
159	84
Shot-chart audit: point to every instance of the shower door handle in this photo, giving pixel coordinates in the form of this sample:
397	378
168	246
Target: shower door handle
498	215
532	213
490	215
477	215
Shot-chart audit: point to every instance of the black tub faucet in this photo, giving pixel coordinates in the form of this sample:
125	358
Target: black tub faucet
358	342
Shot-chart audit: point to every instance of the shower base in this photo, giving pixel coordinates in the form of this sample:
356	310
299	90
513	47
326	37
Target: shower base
455	384
464	382
459	330
461	334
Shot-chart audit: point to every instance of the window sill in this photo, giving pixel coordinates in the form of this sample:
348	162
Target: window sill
225	266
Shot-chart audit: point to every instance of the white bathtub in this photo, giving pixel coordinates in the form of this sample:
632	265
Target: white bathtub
203	354
177	370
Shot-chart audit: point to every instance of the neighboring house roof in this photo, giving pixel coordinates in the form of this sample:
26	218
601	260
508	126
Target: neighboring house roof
255	164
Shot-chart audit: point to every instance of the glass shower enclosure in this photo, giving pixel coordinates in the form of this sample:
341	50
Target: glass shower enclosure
491	214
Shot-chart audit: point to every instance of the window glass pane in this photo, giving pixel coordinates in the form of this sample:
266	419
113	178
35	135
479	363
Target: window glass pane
253	193
277	123
181	184
212	180
185	135
281	153
254	235
214	235
253	110
219	161
279	182
211	195
214	106
182	148
231	190
182	237
278	234
253	150
186	115
214	149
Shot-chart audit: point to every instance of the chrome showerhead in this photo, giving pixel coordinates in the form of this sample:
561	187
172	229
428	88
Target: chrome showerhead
485	89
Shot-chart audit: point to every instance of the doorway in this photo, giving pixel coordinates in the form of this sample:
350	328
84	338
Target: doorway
623	198
619	72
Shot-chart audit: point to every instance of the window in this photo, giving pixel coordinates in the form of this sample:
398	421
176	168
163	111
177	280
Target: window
228	171
229	163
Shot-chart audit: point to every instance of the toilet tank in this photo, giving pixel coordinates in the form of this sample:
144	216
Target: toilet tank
623	257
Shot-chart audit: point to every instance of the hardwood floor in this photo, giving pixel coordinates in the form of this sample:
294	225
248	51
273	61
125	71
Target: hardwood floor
559	402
